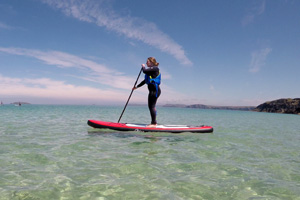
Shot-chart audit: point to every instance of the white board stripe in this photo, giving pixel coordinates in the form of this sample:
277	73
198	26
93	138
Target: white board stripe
159	126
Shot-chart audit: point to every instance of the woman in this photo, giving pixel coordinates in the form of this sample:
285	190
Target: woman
152	79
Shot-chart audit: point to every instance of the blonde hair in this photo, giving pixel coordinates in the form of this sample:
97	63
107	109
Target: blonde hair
153	61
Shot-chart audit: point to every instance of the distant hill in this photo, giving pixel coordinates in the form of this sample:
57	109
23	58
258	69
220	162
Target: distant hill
201	106
246	108
288	106
175	105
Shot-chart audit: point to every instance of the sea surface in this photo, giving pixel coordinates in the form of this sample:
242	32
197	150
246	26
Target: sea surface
49	152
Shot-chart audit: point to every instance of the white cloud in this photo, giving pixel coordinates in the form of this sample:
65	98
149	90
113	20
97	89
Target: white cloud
255	11
258	59
57	58
51	89
132	27
91	70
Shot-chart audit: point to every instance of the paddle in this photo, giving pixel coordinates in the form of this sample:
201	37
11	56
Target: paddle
130	94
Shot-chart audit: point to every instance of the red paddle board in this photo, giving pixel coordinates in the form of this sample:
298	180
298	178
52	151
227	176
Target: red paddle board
145	128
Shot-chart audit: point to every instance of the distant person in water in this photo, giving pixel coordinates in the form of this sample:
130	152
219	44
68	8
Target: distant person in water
152	79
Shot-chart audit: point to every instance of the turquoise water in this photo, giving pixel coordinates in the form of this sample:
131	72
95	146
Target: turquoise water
49	152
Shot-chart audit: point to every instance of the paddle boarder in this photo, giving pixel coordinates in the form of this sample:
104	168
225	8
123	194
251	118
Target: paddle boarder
152	79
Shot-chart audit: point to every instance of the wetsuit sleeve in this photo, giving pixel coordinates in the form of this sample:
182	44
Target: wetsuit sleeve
141	84
150	69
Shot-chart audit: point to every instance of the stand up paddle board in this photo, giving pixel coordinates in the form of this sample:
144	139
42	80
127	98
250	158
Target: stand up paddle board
144	128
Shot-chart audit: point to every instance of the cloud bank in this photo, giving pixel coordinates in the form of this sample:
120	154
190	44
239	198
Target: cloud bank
92	71
99	13
55	91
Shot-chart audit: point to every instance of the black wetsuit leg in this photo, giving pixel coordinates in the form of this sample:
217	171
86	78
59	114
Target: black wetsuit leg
152	98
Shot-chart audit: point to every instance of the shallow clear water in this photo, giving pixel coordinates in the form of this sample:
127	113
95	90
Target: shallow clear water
49	152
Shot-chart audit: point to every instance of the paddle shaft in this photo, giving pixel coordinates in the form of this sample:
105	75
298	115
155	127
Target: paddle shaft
130	94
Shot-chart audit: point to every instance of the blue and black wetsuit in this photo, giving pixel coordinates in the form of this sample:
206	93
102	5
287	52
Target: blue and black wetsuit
152	78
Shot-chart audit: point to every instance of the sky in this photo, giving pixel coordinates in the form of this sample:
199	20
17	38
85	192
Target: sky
226	53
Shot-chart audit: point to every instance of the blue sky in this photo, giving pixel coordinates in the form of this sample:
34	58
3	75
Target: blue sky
236	53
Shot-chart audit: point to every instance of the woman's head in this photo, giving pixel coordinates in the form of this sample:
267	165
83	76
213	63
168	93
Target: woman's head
152	61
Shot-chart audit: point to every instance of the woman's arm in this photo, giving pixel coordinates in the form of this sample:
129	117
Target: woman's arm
140	85
150	69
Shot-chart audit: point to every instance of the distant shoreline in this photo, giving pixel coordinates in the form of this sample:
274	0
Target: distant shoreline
19	102
201	106
285	105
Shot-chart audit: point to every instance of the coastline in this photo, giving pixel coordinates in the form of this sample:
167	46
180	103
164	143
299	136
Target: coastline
201	106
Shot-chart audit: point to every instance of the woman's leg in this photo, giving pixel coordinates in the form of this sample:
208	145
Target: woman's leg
152	99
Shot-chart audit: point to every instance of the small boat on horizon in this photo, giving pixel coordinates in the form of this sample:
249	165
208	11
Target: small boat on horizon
18	104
